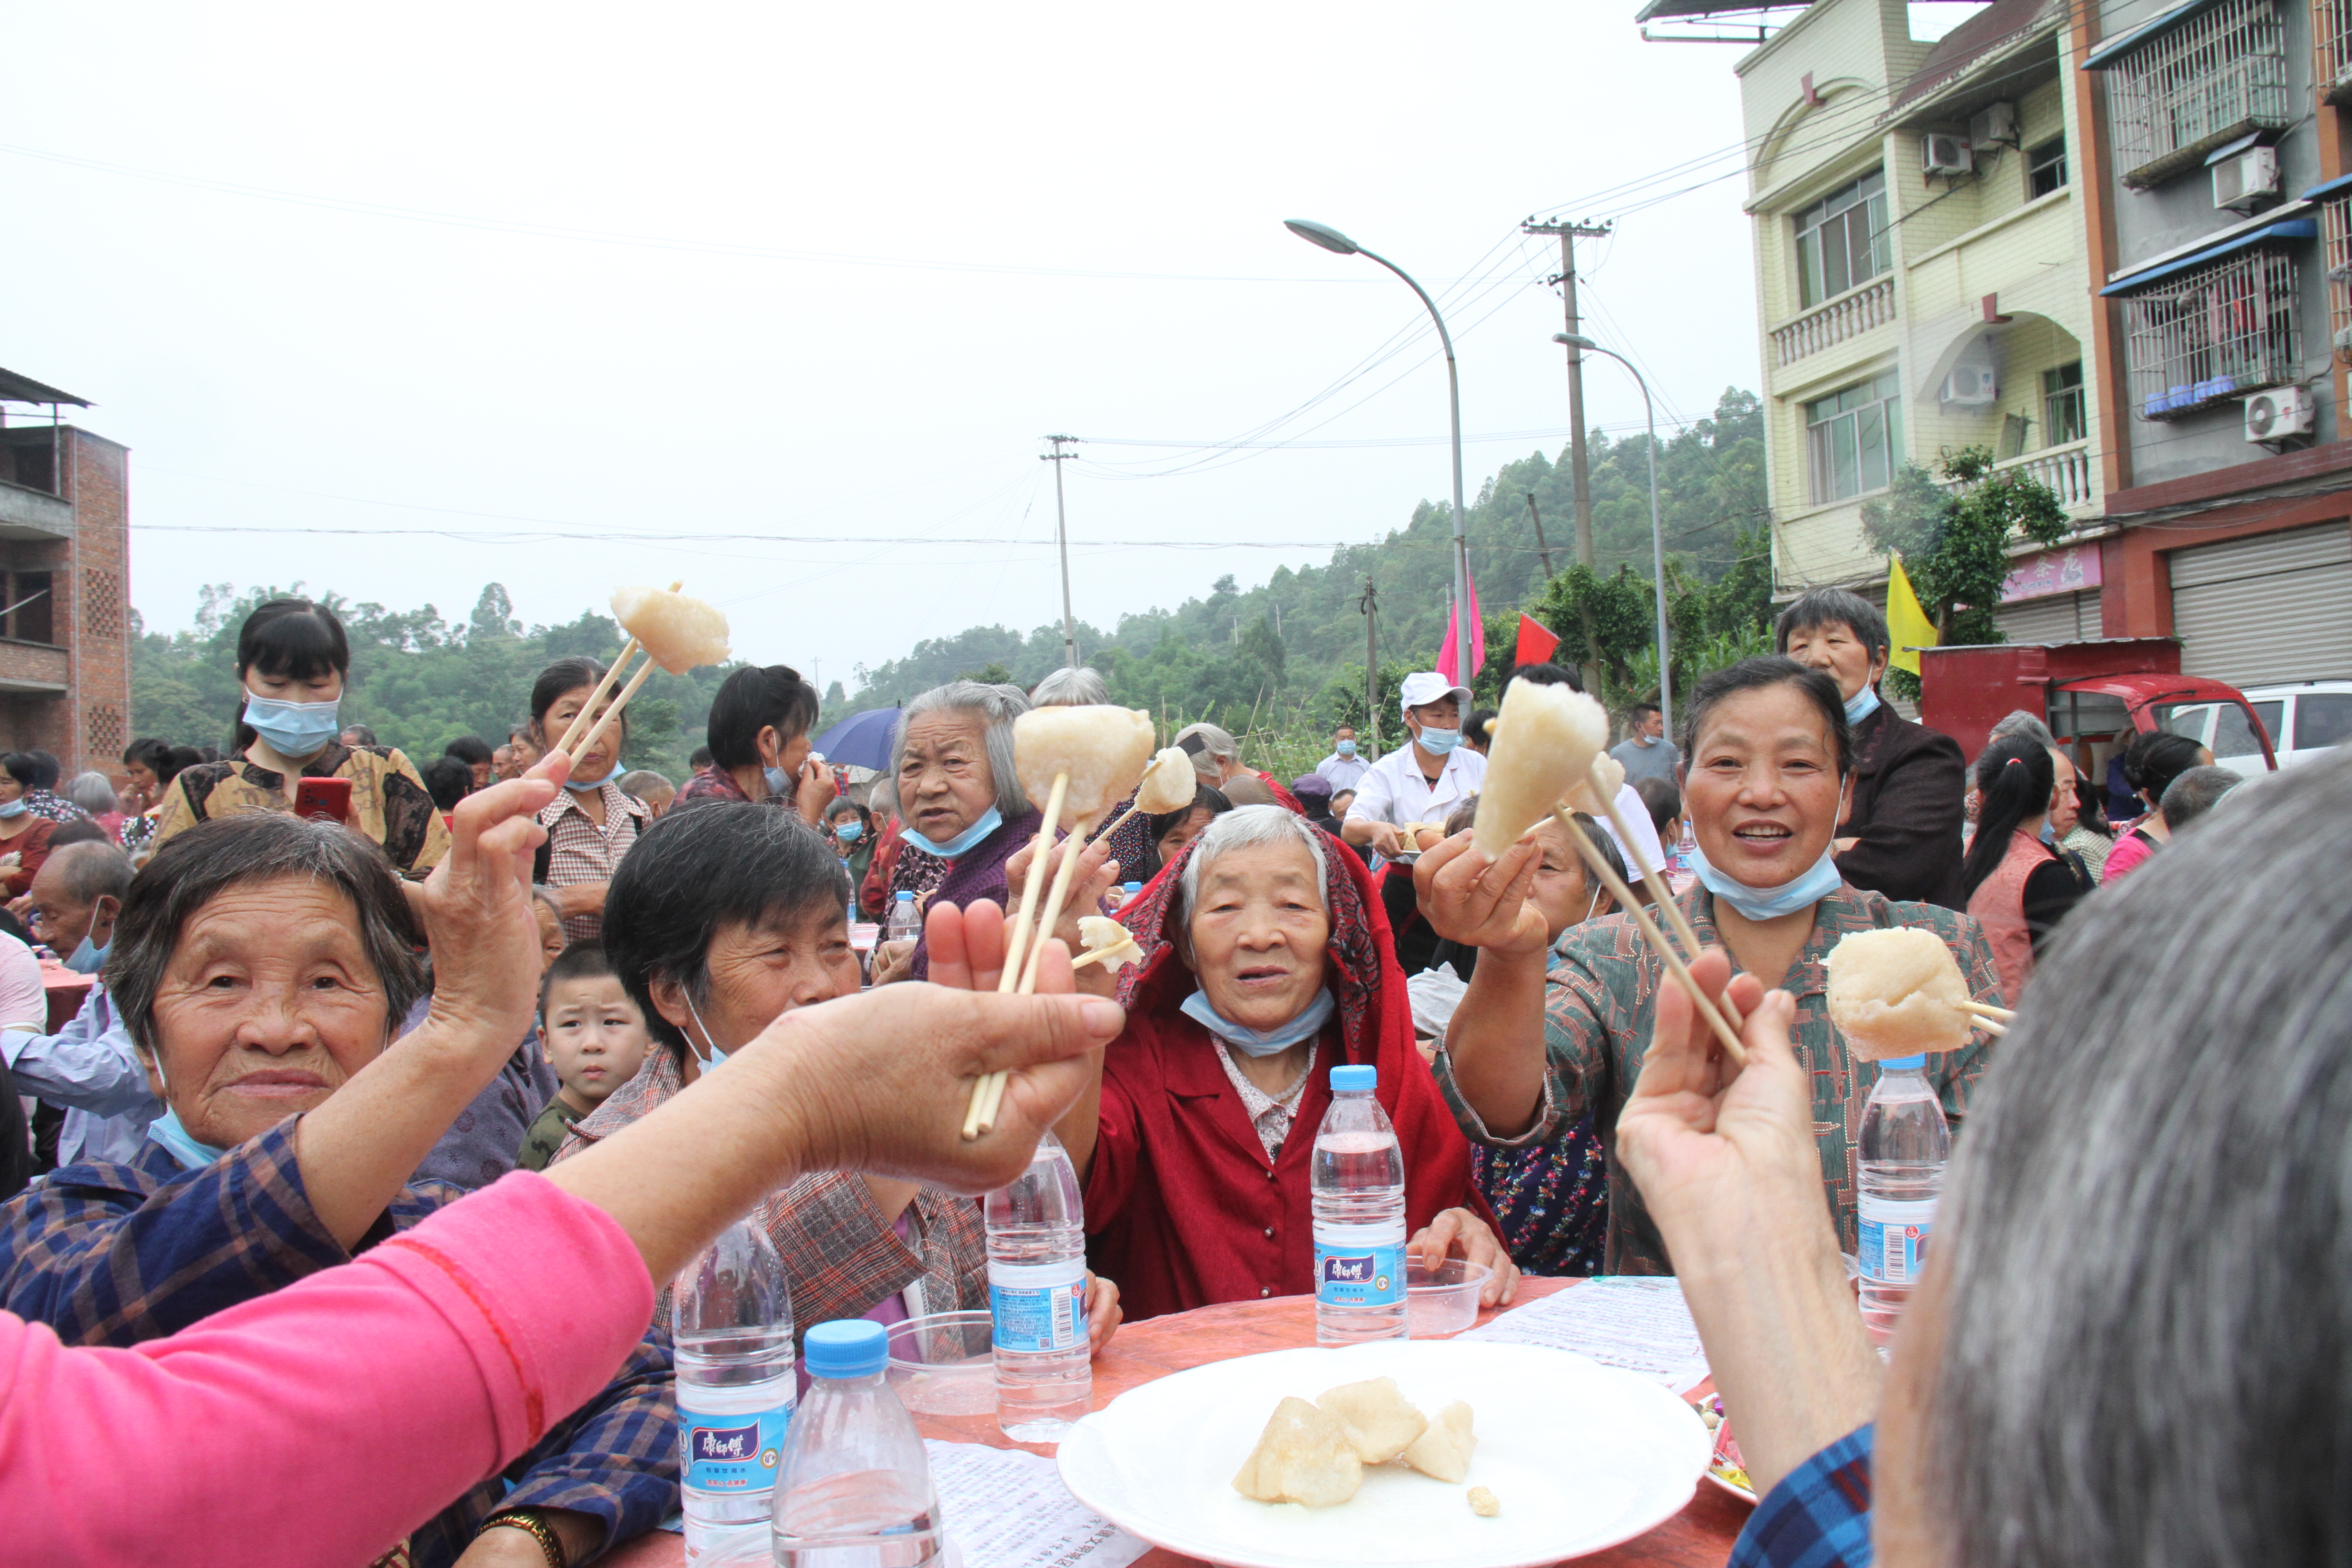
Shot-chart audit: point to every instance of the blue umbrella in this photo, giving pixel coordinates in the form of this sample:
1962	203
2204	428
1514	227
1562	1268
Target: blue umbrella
860	740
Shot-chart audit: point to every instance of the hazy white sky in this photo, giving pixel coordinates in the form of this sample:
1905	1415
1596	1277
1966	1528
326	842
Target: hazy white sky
783	270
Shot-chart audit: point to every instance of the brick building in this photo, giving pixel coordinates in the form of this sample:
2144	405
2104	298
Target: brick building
64	582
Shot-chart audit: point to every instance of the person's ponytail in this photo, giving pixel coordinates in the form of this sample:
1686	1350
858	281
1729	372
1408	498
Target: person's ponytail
2015	780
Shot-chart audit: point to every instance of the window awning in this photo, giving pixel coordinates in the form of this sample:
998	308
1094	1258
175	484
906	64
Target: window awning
2114	50
2335	187
2289	228
14	388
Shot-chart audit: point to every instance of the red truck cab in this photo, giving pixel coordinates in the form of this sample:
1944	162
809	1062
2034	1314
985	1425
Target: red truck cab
2094	695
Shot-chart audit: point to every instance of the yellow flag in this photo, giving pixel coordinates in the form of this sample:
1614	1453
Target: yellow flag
1907	625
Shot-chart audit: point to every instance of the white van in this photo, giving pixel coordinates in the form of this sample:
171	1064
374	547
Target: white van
2303	721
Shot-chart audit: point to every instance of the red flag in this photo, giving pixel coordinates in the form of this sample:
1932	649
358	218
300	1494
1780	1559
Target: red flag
1536	641
1445	662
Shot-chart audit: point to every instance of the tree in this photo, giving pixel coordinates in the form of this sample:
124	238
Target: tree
1954	539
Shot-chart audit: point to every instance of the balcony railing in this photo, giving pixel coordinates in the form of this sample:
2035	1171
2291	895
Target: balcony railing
2331	43
1849	315
2067	470
2202	338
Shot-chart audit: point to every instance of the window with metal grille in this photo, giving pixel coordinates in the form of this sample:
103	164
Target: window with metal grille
2336	233
2203	337
1843	239
2063	415
2195	85
1855	438
2045	168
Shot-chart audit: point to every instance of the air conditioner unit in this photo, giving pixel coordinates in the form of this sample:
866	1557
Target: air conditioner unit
1994	123
1972	386
2279	415
2246	181
1944	153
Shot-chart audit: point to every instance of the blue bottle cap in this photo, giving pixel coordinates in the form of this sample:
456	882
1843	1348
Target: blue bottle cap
1134	888
1902	1064
1355	1080
905	898
851	1347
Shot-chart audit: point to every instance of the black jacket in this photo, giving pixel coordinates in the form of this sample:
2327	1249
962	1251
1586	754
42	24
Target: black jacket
1909	797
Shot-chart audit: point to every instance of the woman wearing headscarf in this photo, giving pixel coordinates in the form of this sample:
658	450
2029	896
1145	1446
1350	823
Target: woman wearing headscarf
1267	964
293	663
965	812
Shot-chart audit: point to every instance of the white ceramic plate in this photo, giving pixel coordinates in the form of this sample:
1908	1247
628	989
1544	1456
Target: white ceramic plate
1580	1456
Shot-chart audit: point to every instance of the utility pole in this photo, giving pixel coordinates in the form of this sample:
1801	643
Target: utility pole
1541	548
1570	233
1062	536
1369	604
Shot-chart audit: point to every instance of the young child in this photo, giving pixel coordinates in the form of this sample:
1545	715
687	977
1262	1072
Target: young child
595	1039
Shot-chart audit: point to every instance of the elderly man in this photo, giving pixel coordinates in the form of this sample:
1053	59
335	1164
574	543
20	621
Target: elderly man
1343	767
1422	781
502	763
88	1068
1216	761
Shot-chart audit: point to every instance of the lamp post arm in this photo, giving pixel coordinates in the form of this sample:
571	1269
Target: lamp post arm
1464	673
1657	542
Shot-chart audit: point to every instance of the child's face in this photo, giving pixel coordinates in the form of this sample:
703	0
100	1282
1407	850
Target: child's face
597	1038
550	933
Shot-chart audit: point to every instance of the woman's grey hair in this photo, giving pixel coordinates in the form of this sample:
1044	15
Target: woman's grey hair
1249	828
1829	607
196	867
1210	743
1070	687
721	863
2018	721
2147	1342
2195	792
92	792
998	705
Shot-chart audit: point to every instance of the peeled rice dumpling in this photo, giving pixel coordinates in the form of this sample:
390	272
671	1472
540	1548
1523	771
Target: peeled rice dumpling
1443	1450
1305	1456
1378	1420
1544	739
677	633
1101	746
1897	992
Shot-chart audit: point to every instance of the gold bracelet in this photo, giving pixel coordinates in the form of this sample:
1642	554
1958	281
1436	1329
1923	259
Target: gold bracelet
549	1544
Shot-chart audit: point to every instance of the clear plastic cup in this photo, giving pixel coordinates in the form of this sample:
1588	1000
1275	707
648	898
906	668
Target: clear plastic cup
1444	1300
943	1364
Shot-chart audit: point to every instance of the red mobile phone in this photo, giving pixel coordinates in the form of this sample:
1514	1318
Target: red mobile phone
328	799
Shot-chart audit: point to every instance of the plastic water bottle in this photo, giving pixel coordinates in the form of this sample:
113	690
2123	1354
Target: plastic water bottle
1899	1160
904	924
856	1491
1129	892
1037	1298
1358	1187
732	1323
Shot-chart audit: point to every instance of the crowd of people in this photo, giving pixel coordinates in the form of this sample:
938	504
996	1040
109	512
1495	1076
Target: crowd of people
382	1071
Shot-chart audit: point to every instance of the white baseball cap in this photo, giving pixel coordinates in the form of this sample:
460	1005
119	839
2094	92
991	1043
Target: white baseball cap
1424	687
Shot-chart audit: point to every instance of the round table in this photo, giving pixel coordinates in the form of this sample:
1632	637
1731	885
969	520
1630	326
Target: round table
1701	1534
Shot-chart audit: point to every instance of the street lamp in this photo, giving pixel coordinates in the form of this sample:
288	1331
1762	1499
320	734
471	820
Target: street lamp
1657	533
1339	244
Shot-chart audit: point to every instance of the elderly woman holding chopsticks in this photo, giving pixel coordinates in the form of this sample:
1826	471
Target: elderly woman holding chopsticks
592	823
1542	1039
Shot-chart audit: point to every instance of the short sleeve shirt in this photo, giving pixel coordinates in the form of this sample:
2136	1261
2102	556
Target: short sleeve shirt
1394	790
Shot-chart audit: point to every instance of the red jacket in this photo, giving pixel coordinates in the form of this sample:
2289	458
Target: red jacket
1183	1208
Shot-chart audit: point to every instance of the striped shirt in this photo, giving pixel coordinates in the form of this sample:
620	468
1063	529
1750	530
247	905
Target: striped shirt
118	1255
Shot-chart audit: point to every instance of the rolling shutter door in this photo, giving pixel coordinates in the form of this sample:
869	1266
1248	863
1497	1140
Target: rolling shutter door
2275	607
2053	618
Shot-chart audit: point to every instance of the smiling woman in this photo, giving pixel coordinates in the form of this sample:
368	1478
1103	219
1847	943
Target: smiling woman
1527	1054
259	964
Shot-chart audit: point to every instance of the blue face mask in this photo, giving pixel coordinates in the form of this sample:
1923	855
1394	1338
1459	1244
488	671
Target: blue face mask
167	1131
716	1056
86	959
1437	742
778	780
1346	748
1259	1042
293	729
1861	705
15	807
590	786
990	821
849	831
1769	903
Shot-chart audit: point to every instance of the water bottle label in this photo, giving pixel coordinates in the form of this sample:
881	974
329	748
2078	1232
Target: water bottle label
1037	1307
1359	1265
732	1452
1895	1239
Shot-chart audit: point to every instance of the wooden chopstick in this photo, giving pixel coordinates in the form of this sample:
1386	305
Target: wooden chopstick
571	731
605	721
1656	938
1987	1010
988	1088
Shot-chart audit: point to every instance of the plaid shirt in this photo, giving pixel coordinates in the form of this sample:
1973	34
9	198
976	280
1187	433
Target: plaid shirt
840	1255
1818	1517
579	851
116	1255
1600	1007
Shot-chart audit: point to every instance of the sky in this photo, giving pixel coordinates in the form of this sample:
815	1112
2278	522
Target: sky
446	294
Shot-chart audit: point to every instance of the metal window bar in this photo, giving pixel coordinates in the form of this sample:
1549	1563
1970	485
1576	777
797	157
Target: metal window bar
2335	235
2208	335
2331	40
2223	68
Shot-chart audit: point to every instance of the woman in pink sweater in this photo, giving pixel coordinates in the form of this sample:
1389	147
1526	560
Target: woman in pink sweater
320	1424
